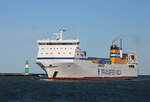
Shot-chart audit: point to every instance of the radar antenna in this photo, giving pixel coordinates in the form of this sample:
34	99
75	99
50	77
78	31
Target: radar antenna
59	34
119	39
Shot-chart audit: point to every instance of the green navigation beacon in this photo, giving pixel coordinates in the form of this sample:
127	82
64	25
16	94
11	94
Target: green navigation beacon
26	69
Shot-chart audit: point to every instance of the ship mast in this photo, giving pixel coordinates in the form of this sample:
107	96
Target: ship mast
59	34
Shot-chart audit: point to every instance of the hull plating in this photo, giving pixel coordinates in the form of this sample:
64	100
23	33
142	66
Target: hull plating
115	78
86	70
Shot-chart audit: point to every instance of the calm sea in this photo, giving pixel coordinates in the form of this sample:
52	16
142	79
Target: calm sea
35	89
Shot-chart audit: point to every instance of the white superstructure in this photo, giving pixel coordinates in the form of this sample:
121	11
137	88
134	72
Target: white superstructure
63	60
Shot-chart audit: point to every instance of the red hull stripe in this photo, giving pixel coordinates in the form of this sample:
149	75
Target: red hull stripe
105	78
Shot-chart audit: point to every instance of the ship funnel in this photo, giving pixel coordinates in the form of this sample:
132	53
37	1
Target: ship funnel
116	53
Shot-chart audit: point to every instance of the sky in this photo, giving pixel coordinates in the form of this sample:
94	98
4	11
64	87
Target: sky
95	22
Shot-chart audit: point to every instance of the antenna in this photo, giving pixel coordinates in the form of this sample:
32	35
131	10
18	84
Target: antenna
121	43
118	41
59	34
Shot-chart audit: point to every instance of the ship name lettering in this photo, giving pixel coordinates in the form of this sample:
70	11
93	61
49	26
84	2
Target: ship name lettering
110	72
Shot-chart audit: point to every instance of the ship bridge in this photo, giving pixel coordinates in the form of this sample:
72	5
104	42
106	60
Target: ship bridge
58	48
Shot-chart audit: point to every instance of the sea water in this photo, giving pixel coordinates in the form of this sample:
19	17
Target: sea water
35	89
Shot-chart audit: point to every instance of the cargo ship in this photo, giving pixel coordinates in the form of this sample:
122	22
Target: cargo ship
63	59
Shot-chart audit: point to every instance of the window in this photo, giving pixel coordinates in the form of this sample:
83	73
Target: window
66	43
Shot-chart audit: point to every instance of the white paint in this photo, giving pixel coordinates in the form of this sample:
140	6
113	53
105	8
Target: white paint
76	67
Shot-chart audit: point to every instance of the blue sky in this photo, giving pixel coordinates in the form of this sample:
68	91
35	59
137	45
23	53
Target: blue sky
95	22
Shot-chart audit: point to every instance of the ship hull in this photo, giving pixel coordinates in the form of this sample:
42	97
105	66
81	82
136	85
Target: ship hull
96	78
86	70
